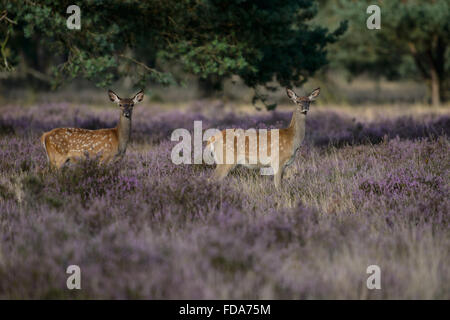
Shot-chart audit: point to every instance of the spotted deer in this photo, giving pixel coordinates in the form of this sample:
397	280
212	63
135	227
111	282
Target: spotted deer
64	145
286	141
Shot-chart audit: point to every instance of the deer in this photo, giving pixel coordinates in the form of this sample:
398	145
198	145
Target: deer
63	145
287	144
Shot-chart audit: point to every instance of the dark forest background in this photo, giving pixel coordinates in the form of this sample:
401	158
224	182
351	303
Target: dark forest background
233	49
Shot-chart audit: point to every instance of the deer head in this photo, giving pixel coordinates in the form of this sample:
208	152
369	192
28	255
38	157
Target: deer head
303	102
126	105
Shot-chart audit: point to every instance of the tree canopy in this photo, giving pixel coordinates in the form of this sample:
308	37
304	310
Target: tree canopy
413	41
258	40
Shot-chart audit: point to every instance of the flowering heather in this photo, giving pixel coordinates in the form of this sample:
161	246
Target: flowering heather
359	193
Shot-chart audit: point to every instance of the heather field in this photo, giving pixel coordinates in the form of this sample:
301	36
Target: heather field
370	186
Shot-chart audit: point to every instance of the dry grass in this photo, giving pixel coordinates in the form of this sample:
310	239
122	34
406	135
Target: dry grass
146	228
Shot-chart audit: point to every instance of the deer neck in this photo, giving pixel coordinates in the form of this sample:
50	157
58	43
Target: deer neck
123	133
297	127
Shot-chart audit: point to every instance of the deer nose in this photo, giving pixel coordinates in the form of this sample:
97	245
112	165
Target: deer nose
126	113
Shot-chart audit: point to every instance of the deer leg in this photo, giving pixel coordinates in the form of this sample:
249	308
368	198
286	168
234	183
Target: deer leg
221	171
277	179
278	176
60	161
284	172
51	160
52	165
288	172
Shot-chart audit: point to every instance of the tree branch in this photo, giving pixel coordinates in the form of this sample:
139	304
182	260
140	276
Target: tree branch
146	67
4	16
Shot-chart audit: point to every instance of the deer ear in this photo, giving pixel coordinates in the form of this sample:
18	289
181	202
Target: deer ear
113	97
291	94
314	94
138	97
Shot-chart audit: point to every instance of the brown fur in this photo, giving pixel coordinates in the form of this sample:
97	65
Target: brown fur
71	144
289	141
63	144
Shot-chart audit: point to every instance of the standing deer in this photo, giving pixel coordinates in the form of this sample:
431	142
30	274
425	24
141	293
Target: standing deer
287	144
69	144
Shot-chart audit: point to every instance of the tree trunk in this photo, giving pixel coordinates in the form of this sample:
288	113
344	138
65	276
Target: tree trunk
209	86
431	67
435	88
